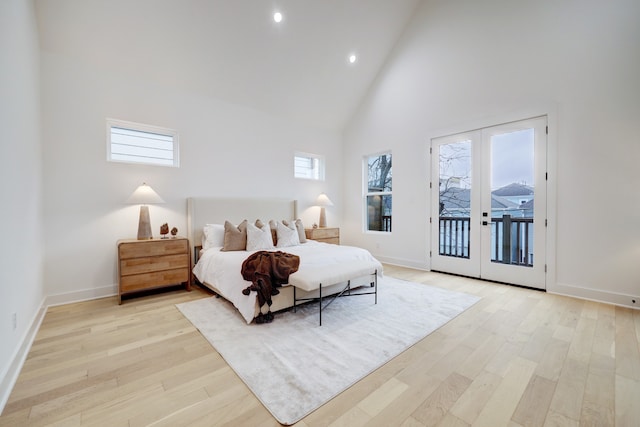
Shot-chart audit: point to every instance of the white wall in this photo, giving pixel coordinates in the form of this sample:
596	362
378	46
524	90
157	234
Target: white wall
20	185
464	63
226	150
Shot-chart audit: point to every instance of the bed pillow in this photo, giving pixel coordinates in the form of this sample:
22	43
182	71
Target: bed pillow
212	236
287	235
235	238
299	227
272	226
259	237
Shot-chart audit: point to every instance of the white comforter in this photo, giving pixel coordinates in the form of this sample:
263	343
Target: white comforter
222	269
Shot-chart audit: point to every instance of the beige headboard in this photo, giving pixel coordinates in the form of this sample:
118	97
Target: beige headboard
202	211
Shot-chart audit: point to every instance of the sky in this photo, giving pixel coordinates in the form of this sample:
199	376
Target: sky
511	159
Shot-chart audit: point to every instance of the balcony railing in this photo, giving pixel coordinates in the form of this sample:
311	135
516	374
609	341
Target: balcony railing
386	222
511	239
454	236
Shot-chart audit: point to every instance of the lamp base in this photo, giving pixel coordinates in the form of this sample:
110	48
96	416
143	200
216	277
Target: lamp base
323	218
144	224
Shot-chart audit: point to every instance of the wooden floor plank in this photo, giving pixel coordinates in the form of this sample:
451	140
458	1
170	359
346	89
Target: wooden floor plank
433	410
473	400
503	402
516	358
533	406
627	409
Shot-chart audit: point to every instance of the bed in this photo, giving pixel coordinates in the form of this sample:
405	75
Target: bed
340	268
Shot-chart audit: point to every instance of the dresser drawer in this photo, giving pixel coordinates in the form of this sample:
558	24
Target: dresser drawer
152	280
154	248
147	264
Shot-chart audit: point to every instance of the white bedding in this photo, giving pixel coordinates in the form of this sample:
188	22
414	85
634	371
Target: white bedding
222	269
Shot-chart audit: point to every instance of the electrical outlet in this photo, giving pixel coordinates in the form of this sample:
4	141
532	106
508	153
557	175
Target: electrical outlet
14	321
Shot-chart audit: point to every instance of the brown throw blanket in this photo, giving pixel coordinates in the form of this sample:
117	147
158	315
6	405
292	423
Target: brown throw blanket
267	271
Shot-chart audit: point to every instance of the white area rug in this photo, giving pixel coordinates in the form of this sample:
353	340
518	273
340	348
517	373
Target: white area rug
295	366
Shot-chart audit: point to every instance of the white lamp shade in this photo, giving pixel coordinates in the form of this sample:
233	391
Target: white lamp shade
323	200
144	195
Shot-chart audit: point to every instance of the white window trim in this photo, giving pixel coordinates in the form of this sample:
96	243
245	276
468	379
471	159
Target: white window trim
321	165
111	123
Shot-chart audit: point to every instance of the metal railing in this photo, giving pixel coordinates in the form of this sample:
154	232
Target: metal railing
454	236
511	239
386	222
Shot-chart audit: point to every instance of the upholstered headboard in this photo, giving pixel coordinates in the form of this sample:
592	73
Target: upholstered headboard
202	211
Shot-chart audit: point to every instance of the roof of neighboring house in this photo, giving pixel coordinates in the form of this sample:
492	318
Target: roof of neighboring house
455	198
458	198
498	202
527	205
513	189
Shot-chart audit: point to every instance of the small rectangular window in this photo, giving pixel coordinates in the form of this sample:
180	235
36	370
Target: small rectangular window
308	166
143	144
378	192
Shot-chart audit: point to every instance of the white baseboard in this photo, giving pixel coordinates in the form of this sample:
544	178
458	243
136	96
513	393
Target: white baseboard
418	265
20	355
596	295
81	295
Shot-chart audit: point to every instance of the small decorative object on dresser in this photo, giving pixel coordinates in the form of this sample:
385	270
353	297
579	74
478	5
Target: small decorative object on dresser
324	234
164	230
152	264
174	232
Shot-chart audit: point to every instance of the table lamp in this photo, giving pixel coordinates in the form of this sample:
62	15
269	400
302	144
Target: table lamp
323	201
143	196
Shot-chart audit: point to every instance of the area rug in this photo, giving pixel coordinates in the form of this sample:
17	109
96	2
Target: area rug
294	366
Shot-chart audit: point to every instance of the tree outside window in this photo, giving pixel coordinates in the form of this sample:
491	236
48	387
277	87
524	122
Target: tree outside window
378	194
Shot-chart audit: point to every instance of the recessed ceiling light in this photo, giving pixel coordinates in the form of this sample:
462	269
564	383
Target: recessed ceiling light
277	16
352	58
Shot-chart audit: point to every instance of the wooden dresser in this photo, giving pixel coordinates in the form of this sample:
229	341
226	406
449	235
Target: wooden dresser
324	234
150	264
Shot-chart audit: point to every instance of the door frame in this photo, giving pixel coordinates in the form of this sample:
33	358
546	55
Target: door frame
545	109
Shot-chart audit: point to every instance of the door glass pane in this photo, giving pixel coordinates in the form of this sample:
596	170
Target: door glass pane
455	198
512	197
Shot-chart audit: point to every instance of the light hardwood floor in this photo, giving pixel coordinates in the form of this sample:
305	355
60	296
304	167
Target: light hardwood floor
516	358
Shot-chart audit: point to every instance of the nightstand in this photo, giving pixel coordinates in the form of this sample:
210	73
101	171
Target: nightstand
324	234
151	264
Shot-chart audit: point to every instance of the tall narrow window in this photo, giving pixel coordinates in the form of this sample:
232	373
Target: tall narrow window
308	166
137	143
378	192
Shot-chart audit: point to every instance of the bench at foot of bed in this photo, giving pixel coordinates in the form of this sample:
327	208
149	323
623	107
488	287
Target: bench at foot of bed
312	279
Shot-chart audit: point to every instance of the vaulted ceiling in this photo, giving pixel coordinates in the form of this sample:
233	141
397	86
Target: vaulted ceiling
233	50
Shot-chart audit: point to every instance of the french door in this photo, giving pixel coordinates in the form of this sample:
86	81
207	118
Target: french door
488	198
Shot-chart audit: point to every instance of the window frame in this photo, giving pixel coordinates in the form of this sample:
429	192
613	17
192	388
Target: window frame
320	170
144	128
367	193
